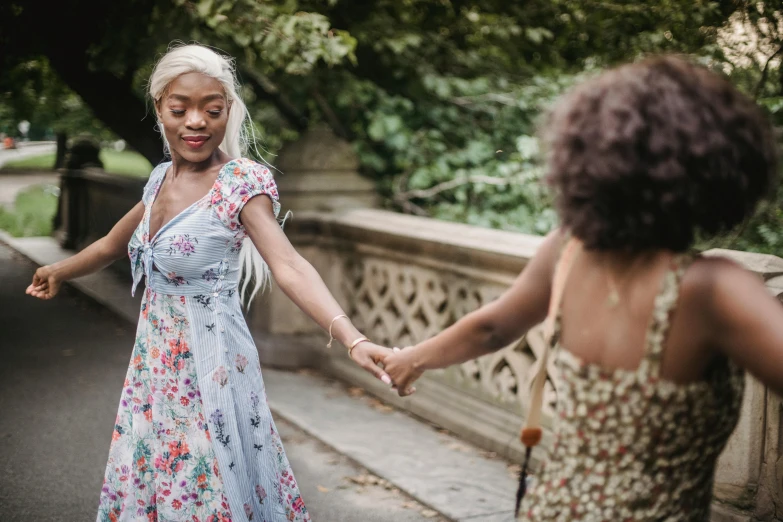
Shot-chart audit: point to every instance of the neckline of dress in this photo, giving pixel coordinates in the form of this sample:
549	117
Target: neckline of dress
577	363
184	210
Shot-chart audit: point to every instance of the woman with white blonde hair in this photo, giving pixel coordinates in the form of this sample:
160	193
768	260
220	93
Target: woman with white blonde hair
194	439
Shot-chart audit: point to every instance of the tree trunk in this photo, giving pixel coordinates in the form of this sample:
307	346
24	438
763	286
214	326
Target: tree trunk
266	90
62	148
113	102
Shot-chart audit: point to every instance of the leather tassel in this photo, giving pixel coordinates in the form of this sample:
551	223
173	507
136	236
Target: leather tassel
522	489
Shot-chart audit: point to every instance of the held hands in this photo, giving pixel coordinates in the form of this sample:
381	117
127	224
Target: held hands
402	367
370	356
45	284
394	367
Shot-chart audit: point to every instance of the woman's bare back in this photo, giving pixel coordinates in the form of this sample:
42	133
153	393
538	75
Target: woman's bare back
610	332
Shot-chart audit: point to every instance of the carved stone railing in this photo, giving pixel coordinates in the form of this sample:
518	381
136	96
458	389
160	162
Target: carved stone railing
403	279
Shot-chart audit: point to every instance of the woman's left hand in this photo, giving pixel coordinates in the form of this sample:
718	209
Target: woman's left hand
370	356
402	367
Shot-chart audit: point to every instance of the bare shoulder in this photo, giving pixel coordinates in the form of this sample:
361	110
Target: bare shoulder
549	253
553	245
722	289
710	276
741	318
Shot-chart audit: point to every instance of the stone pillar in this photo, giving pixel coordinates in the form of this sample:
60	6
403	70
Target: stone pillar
317	173
320	172
69	223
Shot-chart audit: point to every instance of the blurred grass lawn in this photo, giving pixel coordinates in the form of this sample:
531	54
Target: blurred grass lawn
35	207
126	163
32	213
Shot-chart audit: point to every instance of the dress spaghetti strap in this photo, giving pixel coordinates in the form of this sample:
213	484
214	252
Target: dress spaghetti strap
663	309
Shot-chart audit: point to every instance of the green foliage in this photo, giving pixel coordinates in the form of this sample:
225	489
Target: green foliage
462	88
441	98
32	91
762	233
467	153
32	214
443	102
274	35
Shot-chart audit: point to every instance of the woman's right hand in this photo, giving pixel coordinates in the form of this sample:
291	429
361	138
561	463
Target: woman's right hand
45	283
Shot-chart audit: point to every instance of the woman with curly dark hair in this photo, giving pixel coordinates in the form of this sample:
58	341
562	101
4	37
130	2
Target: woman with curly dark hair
653	340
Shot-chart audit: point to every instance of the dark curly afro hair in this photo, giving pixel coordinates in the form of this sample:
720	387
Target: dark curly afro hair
648	155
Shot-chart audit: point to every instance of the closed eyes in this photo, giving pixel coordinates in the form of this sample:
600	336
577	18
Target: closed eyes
181	112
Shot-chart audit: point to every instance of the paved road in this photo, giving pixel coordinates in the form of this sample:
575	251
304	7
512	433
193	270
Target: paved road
12	184
62	364
27	150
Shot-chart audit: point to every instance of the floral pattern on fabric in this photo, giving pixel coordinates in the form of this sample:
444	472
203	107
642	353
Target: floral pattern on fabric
192	438
246	180
630	445
287	489
161	462
182	244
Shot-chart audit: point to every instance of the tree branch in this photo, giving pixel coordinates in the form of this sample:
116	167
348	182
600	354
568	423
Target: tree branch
267	90
410	208
331	118
765	73
112	101
503	99
457	182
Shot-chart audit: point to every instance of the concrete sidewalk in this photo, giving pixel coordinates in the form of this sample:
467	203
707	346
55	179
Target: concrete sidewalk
62	364
453	478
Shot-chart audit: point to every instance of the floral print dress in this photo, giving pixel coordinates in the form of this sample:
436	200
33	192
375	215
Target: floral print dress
631	445
194	439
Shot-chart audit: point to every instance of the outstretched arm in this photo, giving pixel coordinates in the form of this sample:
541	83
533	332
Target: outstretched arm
111	247
301	283
747	322
489	328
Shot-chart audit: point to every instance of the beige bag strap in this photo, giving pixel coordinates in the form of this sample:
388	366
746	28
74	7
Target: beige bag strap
562	269
531	432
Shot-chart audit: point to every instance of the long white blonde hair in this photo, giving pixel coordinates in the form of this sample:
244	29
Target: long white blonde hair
182	59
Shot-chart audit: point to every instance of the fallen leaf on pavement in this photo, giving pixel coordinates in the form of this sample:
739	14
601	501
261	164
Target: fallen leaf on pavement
378	405
459	447
360	479
323	489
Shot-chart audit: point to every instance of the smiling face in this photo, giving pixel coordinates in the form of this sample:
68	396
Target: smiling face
194	114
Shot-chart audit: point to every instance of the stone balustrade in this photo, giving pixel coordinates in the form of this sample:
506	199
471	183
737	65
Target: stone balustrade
402	279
